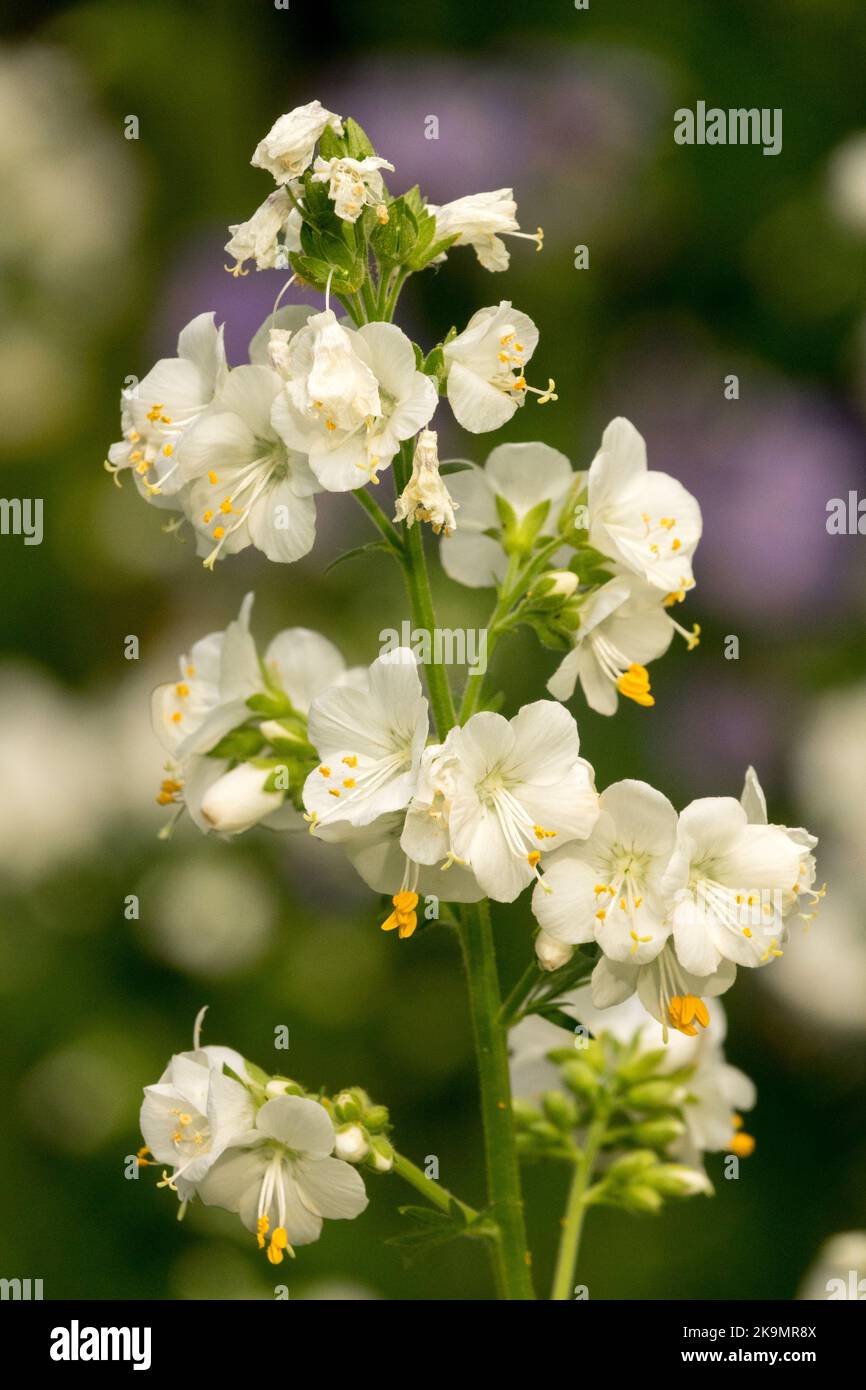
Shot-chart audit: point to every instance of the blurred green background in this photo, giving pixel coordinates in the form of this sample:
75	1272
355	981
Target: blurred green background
702	262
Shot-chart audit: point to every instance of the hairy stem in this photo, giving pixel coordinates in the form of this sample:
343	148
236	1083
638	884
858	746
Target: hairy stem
503	1173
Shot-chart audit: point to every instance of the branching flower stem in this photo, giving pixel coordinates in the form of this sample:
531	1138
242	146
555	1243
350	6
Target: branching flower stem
429	1188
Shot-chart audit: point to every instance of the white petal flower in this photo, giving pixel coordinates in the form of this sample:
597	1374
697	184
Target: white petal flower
623	625
268	236
246	487
486	364
668	992
726	881
353	184
803	892
283	1182
608	888
159	410
644	520
480	220
518	785
195	1112
529	482
425	496
238	800
370	742
350	397
287	149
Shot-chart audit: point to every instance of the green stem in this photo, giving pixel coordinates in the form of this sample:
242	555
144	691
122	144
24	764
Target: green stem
520	992
421	599
380	520
575	1211
429	1188
503	1172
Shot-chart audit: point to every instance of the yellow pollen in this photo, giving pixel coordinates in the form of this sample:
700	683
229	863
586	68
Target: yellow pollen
212	477
176	717
330	425
349	782
742	1144
219	532
279	1243
263	1225
207	518
747	931
686	1009
675	545
168	450
190	670
635	685
226	506
404	917
533	857
325	771
601	914
181	689
334	791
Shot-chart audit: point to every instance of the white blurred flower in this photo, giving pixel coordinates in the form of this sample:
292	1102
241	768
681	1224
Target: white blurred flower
287	149
480	220
208	914
846	182
486	364
353	184
838	1271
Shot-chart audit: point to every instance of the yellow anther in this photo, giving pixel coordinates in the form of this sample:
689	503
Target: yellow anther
351	760
279	1244
181	689
685	1010
325	771
404	917
219	532
349	782
263	1225
212	477
550	393
533	857
207	518
635	685
226	506
334	791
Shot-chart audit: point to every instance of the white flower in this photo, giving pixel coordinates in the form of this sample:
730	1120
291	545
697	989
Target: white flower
287	149
518	495
246	487
726	880
518	785
350	397
258	238
623	625
353	184
370	742
550	953
644	520
195	1111
608	888
425	496
283	1182
351	1144
669	993
159	410
480	220
754	803
486	363
238	800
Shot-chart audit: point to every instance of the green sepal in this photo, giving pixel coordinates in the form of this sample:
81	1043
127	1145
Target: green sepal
239	745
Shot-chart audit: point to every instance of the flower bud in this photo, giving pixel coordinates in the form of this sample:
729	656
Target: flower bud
381	1154
640	1198
559	1109
346	1107
376	1118
642	1067
630	1165
676	1180
546	1133
282	1086
655	1095
580	1078
352	1143
524	1114
555	584
238	800
660	1132
550	952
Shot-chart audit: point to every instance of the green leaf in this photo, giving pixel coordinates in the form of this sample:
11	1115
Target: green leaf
242	743
456	466
358	143
434	249
361	550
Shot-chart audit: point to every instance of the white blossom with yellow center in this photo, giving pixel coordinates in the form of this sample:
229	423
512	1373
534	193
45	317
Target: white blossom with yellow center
486	368
645	520
157	412
519	788
607	888
353	184
672	995
282	1179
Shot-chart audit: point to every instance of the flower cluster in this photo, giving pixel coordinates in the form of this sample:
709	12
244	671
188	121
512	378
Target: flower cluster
260	1145
675	903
